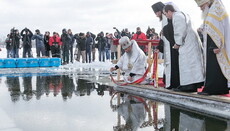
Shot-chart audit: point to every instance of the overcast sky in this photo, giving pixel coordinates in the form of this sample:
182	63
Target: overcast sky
86	15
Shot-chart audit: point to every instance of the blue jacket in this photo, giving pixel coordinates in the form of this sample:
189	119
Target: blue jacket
39	40
88	43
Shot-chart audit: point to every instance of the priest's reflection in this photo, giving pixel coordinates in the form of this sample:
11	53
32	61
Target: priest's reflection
137	112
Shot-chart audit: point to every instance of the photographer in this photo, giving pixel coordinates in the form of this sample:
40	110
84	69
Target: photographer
126	32
81	40
40	47
101	46
55	44
15	39
26	42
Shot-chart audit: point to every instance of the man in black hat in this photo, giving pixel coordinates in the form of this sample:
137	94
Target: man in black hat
158	9
171	77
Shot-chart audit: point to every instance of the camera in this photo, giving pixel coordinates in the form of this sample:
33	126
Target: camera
13	30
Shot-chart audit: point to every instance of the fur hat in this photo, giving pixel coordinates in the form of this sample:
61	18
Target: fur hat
125	42
201	2
158	6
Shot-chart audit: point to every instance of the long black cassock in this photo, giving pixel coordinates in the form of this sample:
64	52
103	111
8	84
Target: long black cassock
169	35
215	82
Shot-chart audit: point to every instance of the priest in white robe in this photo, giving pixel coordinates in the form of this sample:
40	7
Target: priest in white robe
133	62
187	42
216	35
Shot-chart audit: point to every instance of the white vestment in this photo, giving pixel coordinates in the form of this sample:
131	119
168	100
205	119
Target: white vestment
217	26
167	55
135	63
190	55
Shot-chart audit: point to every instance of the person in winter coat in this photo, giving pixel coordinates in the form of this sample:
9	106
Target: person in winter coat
26	42
140	36
15	39
107	46
113	47
65	39
93	46
88	44
101	46
46	43
40	47
55	45
71	44
8	46
81	47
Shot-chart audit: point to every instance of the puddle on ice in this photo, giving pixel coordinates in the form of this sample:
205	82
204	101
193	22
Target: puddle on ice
57	99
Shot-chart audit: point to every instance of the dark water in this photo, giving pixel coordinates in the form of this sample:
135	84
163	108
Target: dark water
67	103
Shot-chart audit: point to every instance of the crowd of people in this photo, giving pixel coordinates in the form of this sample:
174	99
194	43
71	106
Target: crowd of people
64	85
62	46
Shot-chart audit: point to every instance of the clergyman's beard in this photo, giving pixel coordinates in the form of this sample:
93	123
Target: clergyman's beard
205	12
129	54
161	17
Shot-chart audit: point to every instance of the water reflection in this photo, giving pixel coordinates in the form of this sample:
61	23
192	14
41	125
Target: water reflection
14	88
126	112
28	92
84	87
182	120
136	113
28	86
67	87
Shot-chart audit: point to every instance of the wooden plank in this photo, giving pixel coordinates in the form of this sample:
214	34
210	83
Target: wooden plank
217	98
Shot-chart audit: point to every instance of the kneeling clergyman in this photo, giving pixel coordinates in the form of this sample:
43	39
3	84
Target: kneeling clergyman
133	62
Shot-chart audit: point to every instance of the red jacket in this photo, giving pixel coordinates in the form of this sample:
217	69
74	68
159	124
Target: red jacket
55	38
142	36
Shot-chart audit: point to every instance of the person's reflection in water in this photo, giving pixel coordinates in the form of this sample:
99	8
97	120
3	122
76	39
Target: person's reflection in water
27	93
55	84
47	81
67	87
84	87
40	86
133	110
14	88
100	90
188	121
